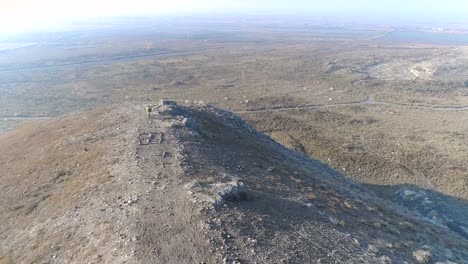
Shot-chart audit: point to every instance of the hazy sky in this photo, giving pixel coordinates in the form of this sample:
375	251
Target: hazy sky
20	14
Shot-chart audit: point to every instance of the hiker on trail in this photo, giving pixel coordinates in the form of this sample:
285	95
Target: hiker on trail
148	111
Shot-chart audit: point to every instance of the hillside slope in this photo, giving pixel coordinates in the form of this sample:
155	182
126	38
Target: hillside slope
191	185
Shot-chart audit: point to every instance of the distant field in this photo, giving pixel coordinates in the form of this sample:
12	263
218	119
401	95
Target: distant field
7	46
437	38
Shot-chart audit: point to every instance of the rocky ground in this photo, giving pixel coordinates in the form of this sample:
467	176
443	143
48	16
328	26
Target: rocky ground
194	184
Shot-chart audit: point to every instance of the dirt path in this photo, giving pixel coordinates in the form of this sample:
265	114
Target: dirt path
172	209
381	35
22	118
368	101
122	58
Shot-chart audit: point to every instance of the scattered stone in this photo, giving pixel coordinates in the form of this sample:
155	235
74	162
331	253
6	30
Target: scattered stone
165	102
356	241
386	260
218	193
347	205
372	249
432	208
333	220
422	255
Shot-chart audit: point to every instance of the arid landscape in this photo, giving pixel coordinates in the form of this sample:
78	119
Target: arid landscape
195	184
392	115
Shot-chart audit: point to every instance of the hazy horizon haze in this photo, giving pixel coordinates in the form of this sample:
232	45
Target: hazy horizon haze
21	15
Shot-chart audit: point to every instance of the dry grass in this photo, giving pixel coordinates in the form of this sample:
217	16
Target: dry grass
47	185
417	147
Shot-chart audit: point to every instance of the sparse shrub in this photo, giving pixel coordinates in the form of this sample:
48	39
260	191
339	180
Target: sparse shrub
310	196
341	223
258	186
273	178
288	141
210	179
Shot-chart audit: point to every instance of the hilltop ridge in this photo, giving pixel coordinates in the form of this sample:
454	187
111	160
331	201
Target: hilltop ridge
191	184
